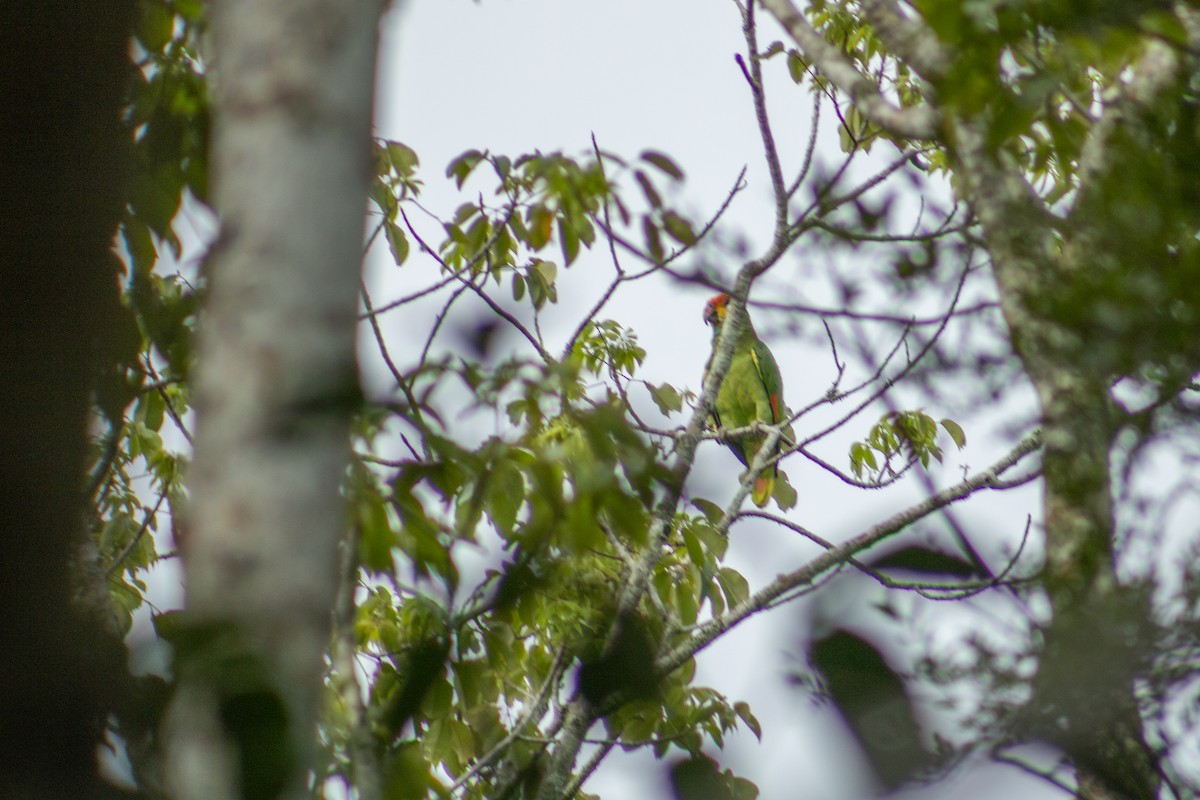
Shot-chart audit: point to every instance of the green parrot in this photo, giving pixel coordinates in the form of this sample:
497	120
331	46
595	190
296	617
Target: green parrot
752	390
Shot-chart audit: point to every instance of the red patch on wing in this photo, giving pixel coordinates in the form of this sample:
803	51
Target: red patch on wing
774	407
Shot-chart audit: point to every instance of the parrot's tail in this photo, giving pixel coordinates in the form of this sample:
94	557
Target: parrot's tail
764	486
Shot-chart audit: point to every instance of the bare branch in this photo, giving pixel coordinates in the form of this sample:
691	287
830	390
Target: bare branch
711	630
750	31
811	147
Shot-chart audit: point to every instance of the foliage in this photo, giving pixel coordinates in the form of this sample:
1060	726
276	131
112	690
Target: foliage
600	586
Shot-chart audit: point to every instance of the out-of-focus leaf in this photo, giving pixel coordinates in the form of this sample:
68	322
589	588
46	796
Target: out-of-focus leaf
784	493
666	397
626	667
925	560
569	238
678	228
743	711
155	25
663	162
462	166
653	239
875	704
652	195
700	778
421	667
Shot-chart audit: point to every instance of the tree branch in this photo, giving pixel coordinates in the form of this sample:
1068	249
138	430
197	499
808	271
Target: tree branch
917	122
760	600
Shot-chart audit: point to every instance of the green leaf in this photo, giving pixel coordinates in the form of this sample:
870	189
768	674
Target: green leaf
695	550
155	197
191	10
569	240
169	625
156	25
715	542
784	493
742	709
462	166
540	280
541	226
735	586
151	408
140	245
686	603
956	433
376	538
796	66
653	240
666	397
678	228
711	511
397	241
403	159
506	494
503	166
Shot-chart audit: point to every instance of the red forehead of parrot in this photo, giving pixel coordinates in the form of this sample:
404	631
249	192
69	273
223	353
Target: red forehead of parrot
714	312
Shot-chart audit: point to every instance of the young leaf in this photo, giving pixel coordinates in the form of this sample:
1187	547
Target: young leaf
796	66
956	432
397	241
666	397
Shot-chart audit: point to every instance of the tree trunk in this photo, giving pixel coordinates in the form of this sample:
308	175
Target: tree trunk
276	387
1083	694
62	173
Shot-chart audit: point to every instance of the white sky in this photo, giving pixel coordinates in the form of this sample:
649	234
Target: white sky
517	75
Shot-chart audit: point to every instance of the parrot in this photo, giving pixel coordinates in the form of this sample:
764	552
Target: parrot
752	390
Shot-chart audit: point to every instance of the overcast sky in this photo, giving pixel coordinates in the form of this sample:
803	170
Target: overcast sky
513	76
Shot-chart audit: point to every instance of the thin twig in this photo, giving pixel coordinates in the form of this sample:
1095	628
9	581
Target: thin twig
137	537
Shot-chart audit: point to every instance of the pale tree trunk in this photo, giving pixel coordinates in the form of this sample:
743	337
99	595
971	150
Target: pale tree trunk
276	384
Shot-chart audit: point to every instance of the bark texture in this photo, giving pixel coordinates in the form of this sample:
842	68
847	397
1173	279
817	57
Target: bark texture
276	385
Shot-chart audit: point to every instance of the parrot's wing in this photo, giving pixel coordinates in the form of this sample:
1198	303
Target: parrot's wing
768	374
